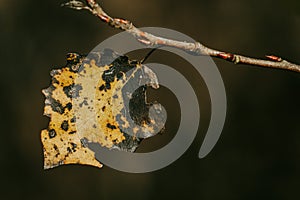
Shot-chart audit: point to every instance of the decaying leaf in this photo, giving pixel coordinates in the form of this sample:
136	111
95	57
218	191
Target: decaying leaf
86	102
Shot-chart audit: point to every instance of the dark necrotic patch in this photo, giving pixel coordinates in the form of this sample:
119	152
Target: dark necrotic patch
129	144
103	108
138	108
73	58
56	106
52	133
65	125
72	91
119	65
74	146
119	75
72	132
69	106
73	120
108	86
108	75
75	64
108	125
69	150
102	87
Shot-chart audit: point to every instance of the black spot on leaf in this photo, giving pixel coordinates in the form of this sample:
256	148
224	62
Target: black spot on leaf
72	91
65	125
52	133
108	125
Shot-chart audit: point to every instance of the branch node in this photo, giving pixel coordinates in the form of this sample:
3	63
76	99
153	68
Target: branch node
236	59
274	58
198	48
226	56
146	42
76	5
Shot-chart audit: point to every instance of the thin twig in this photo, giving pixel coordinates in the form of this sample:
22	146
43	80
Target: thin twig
197	48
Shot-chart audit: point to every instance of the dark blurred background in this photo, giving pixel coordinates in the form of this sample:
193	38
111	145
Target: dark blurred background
258	154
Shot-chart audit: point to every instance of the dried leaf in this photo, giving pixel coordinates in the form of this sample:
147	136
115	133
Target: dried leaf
86	102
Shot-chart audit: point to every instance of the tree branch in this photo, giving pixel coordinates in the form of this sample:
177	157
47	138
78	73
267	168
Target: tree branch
197	48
